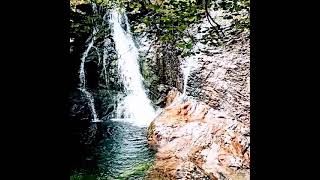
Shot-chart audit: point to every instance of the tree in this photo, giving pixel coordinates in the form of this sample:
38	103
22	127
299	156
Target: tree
168	20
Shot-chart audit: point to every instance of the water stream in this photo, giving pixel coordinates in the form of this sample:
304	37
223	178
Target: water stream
134	106
122	152
82	77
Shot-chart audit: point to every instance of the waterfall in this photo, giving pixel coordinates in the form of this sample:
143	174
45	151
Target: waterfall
134	106
82	77
187	66
105	52
104	61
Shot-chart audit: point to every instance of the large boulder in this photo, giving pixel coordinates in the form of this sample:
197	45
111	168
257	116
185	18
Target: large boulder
194	141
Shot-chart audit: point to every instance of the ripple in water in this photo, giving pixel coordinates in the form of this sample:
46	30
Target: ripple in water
122	153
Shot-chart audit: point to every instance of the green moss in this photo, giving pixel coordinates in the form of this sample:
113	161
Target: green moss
151	129
139	170
83	177
145	70
80	176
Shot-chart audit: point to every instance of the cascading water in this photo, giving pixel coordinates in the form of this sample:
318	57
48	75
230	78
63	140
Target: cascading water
135	105
105	52
187	66
104	61
82	77
122	152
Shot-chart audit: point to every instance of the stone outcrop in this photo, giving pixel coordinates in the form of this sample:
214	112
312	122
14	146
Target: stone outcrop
101	67
206	133
160	66
223	80
194	141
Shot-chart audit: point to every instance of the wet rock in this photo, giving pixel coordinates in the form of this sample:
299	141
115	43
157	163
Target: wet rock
194	141
87	8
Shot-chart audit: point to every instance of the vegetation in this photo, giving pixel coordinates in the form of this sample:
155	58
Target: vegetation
172	25
168	20
138	170
151	129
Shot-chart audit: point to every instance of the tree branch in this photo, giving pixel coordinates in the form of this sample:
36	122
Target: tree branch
217	26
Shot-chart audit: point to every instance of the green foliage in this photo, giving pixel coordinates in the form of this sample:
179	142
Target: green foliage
232	5
168	21
73	3
151	129
171	18
238	8
83	177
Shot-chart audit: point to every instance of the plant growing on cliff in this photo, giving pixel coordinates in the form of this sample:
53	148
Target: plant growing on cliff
168	20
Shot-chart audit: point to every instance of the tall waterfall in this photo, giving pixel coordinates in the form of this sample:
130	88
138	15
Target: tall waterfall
135	105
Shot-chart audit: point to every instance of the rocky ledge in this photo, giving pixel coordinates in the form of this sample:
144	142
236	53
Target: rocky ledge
195	141
205	134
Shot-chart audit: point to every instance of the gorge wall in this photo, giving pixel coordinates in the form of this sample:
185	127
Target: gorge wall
206	134
203	134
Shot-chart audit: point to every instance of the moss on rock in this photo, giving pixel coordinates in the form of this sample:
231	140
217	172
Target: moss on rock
138	170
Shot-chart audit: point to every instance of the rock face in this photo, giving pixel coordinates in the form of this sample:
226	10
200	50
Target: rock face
223	80
194	141
160	66
100	66
206	134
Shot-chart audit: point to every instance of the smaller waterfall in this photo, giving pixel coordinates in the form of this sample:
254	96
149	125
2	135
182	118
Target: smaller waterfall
187	67
83	60
91	105
104	60
82	77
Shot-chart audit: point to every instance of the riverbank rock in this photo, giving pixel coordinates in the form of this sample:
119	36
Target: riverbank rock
194	141
205	134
